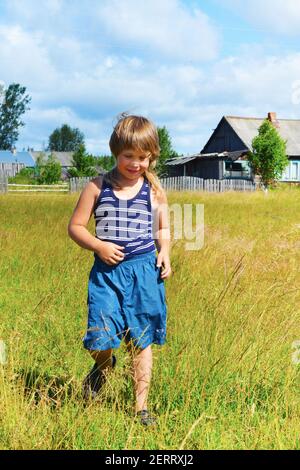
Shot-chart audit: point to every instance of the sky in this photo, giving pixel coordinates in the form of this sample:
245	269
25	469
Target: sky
182	63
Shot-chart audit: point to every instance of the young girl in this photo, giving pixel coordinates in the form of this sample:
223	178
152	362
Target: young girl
126	292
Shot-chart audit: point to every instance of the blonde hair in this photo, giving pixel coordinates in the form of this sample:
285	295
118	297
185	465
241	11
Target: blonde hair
137	133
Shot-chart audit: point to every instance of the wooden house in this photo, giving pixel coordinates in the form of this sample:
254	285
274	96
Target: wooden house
225	153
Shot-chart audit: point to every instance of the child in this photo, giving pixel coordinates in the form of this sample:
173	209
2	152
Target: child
126	293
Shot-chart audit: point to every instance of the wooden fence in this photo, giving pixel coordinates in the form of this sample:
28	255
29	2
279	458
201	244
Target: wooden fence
176	183
185	183
11	169
6	187
37	188
192	183
3	183
77	184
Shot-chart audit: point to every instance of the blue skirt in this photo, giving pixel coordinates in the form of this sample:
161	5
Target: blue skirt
126	299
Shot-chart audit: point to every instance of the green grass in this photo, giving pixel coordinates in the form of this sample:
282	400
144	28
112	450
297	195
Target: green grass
225	378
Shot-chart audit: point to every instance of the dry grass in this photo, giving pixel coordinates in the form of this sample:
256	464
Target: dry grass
224	380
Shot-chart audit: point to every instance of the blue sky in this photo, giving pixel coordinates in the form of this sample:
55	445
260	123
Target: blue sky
182	63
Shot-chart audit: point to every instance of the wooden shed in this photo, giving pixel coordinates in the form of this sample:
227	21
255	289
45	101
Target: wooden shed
212	166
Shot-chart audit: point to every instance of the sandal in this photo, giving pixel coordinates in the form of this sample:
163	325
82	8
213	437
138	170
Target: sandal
146	419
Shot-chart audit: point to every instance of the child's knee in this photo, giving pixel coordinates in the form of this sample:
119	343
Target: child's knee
103	358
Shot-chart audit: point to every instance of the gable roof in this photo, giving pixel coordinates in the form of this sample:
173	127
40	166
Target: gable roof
6	156
65	158
247	129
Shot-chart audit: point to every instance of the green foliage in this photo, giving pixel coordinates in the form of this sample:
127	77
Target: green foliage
25	176
83	163
166	151
14	105
47	171
65	139
107	162
268	158
39	165
51	172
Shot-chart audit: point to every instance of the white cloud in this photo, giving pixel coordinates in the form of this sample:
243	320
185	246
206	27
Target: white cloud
166	27
161	74
23	56
280	16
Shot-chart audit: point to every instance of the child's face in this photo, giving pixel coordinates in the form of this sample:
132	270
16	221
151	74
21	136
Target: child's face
132	163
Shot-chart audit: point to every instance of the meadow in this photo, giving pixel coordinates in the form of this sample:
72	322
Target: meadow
228	376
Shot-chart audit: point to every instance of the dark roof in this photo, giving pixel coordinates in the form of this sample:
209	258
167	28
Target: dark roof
206	156
180	160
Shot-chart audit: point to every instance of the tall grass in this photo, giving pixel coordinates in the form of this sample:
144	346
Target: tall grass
225	378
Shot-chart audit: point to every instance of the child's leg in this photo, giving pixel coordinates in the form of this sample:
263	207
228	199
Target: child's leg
97	376
103	358
142	368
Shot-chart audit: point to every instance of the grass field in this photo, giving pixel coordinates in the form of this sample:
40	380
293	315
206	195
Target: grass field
227	377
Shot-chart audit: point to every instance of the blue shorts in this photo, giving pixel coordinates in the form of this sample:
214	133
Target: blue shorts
126	299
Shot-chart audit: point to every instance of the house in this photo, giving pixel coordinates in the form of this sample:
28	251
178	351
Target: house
225	153
65	159
12	161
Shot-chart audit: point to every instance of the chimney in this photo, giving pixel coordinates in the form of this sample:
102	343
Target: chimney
272	117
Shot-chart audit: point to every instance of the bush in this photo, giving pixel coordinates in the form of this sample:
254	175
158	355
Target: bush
50	173
25	176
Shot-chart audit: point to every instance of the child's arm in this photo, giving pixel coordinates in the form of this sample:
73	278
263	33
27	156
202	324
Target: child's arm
162	240
82	213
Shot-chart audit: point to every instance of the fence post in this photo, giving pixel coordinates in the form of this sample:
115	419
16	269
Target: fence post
3	183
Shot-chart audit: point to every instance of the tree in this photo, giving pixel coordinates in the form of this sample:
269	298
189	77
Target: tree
107	162
65	139
166	150
83	163
51	172
268	159
47	171
14	105
39	164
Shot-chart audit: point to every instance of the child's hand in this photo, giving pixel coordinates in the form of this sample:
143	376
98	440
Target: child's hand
163	259
111	253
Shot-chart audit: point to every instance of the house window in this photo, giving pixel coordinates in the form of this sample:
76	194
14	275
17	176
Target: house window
237	169
294	171
291	172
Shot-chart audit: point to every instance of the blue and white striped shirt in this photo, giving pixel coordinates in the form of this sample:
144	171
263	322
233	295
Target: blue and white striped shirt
125	222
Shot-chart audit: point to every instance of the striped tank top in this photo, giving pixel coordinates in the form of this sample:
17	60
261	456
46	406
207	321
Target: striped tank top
125	222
